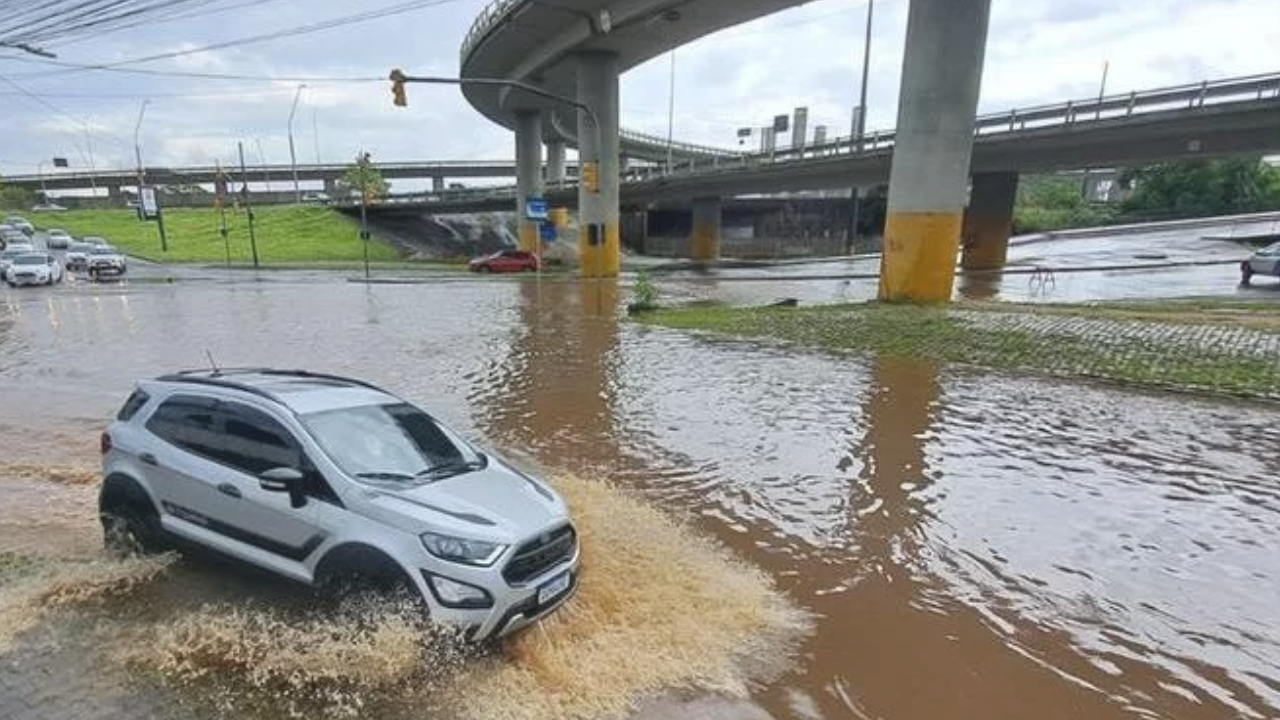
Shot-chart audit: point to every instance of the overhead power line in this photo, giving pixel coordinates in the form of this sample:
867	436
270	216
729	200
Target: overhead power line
360	17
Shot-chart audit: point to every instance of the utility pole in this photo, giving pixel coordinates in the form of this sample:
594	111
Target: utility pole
244	178
860	126
671	113
315	134
1097	115
137	150
293	158
363	163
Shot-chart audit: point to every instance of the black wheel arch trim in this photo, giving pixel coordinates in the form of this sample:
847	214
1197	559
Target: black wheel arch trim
342	554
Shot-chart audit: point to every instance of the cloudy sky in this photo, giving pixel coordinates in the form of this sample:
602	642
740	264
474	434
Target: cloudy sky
1039	51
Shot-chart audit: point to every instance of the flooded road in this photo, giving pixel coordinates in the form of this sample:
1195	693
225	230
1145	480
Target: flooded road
971	545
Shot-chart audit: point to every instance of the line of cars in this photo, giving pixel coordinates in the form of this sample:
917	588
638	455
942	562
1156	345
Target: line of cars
22	263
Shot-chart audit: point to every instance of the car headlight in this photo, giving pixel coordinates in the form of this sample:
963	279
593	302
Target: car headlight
459	550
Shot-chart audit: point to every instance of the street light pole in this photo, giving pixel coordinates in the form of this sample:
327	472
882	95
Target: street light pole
671	113
860	125
293	158
137	147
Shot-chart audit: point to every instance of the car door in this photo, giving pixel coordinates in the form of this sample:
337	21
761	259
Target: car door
252	442
185	428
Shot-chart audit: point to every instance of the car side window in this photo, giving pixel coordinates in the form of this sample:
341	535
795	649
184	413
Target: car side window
188	422
254	442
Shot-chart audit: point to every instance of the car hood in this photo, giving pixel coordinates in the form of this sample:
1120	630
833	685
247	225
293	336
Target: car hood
496	503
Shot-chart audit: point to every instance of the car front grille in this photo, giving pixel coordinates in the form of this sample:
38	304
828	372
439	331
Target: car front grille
540	554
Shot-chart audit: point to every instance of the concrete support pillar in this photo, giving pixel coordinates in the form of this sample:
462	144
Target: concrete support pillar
988	221
437	184
331	187
941	75
528	173
555	162
704	242
600	242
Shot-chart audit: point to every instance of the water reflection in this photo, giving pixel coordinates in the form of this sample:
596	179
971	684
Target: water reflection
552	396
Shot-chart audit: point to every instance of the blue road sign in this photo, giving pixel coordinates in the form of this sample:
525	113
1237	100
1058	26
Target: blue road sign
535	208
548	232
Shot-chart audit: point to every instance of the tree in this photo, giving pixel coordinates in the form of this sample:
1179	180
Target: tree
12	196
363	174
1203	188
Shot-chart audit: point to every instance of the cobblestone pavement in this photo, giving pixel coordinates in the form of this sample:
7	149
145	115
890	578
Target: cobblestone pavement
1160	349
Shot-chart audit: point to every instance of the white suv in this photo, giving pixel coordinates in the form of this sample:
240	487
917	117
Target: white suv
330	481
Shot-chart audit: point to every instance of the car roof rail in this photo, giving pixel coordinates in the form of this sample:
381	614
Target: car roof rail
217	382
216	373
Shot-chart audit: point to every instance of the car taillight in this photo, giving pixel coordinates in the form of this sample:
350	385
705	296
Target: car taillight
105	443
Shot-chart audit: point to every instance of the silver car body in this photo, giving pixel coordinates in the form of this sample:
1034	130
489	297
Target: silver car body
58	239
103	259
21	224
33	269
1266	261
8	255
219	507
77	256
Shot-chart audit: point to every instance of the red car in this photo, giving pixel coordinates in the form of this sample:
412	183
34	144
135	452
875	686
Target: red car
505	261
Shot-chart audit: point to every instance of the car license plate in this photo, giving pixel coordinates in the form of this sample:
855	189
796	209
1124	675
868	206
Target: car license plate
553	589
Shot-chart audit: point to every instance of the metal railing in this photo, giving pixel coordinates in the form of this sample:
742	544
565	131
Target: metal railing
1068	114
490	16
160	172
685	148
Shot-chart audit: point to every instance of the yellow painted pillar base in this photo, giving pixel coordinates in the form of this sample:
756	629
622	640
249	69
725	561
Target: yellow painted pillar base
919	261
530	242
986	241
600	248
704	243
560	218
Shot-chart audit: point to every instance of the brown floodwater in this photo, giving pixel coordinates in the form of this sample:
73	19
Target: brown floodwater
971	545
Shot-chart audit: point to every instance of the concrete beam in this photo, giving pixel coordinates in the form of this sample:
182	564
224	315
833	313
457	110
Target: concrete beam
600	243
941	76
988	221
528	173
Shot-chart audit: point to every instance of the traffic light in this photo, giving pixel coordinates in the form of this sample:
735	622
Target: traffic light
397	88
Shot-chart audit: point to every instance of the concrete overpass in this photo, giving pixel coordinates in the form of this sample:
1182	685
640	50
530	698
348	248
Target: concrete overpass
578	48
1201	120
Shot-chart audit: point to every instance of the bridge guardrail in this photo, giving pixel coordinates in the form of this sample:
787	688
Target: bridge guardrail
1195	95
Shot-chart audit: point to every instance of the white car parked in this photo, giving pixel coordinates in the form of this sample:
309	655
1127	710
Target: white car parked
33	269
1263	262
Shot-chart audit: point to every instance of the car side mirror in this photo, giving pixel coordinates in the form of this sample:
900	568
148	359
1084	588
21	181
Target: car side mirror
284	480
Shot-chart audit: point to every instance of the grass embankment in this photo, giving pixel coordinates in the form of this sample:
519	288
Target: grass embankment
289	234
1184	348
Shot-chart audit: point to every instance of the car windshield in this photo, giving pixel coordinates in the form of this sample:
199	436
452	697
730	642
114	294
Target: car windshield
30	260
103	250
393	443
1273	249
79	247
59	233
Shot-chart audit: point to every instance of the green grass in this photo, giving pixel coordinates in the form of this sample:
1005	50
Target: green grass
934	333
285	234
